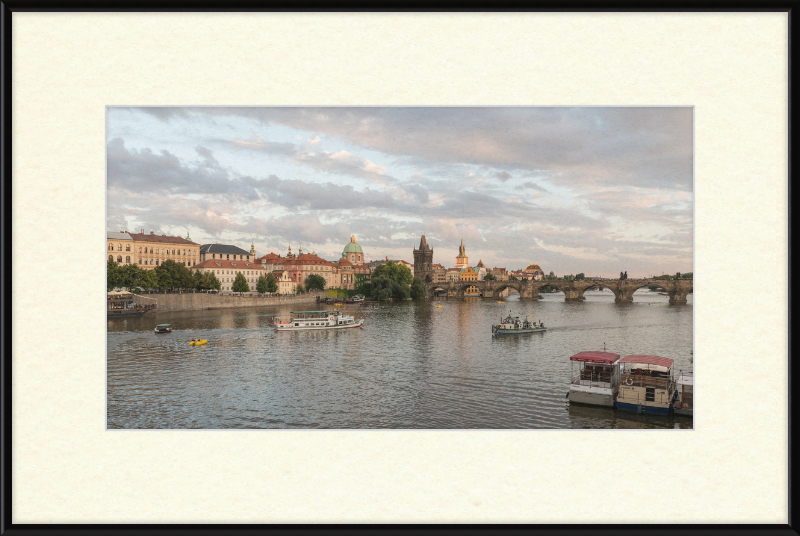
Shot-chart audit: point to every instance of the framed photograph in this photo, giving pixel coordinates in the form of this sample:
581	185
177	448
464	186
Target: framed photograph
397	267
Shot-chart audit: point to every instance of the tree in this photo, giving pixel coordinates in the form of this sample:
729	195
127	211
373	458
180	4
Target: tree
112	275
488	277
172	274
552	274
240	284
512	278
384	288
299	288
272	283
261	284
418	289
580	276
395	272
315	282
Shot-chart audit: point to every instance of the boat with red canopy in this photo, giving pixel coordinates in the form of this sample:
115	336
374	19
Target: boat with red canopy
597	379
646	384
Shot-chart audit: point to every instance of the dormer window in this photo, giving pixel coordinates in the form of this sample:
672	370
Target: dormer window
248	264
218	263
233	263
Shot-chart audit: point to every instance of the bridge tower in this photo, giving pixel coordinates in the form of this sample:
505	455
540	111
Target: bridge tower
423	261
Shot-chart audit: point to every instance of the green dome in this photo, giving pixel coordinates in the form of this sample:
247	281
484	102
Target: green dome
352	247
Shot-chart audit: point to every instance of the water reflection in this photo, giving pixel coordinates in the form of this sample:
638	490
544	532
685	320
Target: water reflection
412	365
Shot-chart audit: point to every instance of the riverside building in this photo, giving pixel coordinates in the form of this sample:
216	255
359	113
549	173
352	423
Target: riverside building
226	271
151	250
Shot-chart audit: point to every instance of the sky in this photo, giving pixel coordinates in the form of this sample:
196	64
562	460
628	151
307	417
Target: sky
593	190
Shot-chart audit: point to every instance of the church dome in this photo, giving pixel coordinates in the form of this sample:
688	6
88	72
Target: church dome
352	246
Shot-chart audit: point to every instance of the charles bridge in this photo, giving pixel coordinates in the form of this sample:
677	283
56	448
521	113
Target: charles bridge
573	289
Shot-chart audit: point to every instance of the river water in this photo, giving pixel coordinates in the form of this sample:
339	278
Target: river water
412	365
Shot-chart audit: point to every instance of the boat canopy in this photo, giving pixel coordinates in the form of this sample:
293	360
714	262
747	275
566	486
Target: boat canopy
648	360
310	312
685	380
606	358
119	293
163	325
645	366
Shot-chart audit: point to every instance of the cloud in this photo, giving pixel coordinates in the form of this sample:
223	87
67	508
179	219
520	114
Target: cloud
534	186
642	146
503	175
315	141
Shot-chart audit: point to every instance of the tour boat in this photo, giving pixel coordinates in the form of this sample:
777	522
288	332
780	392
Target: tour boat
511	325
123	304
684	404
358	298
163	328
597	380
646	384
314	320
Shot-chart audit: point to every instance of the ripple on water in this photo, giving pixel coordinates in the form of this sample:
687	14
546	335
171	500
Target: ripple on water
411	366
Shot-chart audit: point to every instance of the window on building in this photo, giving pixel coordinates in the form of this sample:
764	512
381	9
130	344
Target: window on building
227	257
128	259
157	262
127	247
119	258
111	247
111	257
140	261
119	247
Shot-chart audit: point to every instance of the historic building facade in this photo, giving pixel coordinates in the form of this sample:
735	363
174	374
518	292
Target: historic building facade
151	250
535	272
423	261
226	271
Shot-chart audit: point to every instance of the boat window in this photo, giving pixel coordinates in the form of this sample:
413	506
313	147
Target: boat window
650	394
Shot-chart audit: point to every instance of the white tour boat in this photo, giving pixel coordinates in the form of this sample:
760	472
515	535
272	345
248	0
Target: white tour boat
313	320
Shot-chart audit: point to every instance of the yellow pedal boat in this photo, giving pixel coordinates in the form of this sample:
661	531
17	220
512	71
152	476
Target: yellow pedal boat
438	306
501	302
198	342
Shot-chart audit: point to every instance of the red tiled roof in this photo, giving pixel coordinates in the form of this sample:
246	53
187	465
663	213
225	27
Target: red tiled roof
269	257
595	357
218	263
344	262
140	237
648	360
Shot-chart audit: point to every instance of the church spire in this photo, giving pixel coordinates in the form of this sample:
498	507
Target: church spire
252	247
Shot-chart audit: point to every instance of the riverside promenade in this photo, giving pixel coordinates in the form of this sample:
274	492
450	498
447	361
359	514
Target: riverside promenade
203	301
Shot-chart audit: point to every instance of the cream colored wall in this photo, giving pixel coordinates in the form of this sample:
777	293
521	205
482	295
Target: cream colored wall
227	275
124	252
192	253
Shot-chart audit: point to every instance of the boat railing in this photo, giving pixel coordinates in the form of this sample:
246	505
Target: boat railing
593	379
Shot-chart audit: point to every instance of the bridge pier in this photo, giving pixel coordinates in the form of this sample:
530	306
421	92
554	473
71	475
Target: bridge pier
677	297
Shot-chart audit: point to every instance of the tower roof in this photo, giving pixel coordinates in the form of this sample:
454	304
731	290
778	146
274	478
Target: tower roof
423	244
352	246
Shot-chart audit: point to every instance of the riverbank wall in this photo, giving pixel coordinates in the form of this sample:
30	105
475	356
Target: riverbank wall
203	301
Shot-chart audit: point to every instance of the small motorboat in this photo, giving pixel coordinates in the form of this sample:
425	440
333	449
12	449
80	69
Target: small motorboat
438	306
163	328
198	342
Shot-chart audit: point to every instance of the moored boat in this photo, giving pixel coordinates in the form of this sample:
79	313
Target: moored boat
198	342
163	328
123	304
597	380
684	403
646	384
316	320
511	325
